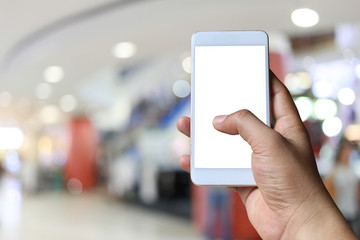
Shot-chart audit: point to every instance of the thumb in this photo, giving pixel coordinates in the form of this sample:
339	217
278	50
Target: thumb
245	123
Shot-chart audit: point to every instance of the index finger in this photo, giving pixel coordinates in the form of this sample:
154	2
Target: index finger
183	125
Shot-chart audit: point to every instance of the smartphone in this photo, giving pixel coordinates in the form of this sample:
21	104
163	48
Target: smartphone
230	71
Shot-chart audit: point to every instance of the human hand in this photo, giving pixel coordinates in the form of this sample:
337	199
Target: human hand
290	200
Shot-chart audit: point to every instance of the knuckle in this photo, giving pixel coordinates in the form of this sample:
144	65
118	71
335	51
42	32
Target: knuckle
244	113
240	120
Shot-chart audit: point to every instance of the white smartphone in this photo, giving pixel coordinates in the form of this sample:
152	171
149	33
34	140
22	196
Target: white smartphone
230	71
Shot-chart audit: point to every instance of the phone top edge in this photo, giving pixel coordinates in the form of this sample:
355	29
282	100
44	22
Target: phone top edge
230	38
222	32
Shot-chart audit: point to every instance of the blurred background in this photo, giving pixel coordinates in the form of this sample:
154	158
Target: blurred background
89	96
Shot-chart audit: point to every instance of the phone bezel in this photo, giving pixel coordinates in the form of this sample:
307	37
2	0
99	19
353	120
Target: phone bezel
225	176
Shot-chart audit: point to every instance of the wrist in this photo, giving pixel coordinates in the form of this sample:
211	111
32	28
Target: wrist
319	218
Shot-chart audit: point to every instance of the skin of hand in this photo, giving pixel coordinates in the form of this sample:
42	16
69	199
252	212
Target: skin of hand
290	200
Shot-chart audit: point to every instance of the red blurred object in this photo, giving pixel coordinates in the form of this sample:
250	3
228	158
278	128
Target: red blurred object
242	228
81	162
317	136
199	206
276	62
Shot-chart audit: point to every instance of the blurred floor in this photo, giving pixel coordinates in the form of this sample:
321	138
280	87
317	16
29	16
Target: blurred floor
59	215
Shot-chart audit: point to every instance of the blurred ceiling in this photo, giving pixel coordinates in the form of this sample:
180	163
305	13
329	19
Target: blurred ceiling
79	36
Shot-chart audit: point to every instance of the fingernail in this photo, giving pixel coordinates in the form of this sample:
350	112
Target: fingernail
219	119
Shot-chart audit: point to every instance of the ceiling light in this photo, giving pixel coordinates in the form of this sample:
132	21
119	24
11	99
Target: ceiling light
304	17
124	50
53	74
68	103
43	91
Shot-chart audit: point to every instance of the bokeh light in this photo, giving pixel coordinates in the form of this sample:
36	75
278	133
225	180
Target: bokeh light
49	114
11	138
352	132
181	88
346	96
186	64
74	186
325	108
304	106
124	50
298	83
53	74
12	162
68	103
329	77
332	126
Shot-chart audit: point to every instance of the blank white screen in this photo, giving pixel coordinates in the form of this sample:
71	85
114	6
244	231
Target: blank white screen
227	79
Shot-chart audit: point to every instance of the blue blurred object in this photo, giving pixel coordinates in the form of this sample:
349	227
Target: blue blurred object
173	113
